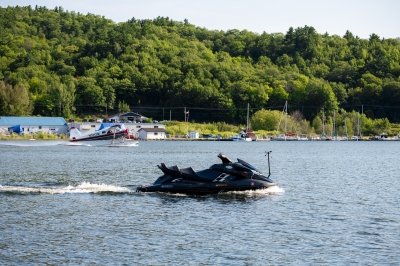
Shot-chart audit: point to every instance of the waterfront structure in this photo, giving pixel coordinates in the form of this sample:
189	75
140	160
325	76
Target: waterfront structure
130	117
151	133
33	124
194	135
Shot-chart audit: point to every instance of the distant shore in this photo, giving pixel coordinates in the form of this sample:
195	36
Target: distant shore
50	137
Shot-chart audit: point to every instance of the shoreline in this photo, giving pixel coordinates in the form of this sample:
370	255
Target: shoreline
2	138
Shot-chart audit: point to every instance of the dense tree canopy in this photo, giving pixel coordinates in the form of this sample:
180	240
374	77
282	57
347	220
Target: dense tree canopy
66	63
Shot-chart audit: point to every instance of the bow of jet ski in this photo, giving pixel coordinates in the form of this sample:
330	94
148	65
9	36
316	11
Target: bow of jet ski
224	177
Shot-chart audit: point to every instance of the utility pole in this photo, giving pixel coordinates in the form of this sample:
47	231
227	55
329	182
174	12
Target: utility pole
186	113
362	112
323	123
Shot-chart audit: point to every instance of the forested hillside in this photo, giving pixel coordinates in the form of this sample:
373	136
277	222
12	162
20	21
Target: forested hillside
54	62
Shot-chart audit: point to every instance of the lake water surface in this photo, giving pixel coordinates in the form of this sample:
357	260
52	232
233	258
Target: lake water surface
338	203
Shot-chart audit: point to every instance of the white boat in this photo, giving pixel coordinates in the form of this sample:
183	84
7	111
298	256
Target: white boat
123	142
385	137
286	137
105	135
241	137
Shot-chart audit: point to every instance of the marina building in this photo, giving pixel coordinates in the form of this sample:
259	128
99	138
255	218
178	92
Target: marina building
151	133
33	124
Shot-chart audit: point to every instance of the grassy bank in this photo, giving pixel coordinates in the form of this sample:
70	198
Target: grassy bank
176	128
39	136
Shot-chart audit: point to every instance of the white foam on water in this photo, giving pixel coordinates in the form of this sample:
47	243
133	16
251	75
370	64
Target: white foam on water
95	188
32	143
273	190
77	144
84	187
104	143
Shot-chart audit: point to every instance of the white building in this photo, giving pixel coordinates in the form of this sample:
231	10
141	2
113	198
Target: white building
134	128
33	124
194	135
151	133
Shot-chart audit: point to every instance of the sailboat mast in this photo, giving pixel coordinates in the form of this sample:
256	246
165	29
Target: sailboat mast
334	136
323	122
283	112
247	122
358	125
286	118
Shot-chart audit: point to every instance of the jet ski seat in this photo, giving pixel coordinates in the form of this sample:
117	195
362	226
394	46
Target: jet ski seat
188	173
172	171
202	176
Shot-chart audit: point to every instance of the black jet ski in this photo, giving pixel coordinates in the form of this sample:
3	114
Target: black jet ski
223	177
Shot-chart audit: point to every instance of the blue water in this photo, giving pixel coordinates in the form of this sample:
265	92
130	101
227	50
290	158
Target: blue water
337	204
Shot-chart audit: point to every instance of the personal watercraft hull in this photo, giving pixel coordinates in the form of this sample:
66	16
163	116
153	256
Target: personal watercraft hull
203	188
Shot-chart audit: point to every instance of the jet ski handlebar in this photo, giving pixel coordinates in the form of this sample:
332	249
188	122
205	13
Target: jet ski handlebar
224	158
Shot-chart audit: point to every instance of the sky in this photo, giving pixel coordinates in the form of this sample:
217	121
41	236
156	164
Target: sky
361	17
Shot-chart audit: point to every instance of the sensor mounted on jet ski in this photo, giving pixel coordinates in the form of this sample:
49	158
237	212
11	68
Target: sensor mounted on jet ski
224	177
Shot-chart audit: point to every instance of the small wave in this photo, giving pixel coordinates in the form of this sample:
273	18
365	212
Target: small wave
274	190
84	187
32	143
78	144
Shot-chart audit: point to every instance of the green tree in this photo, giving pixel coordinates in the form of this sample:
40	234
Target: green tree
14	100
69	61
89	93
371	88
266	120
391	97
317	125
123	107
319	96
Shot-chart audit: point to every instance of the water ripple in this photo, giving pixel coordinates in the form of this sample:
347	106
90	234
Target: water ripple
335	205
